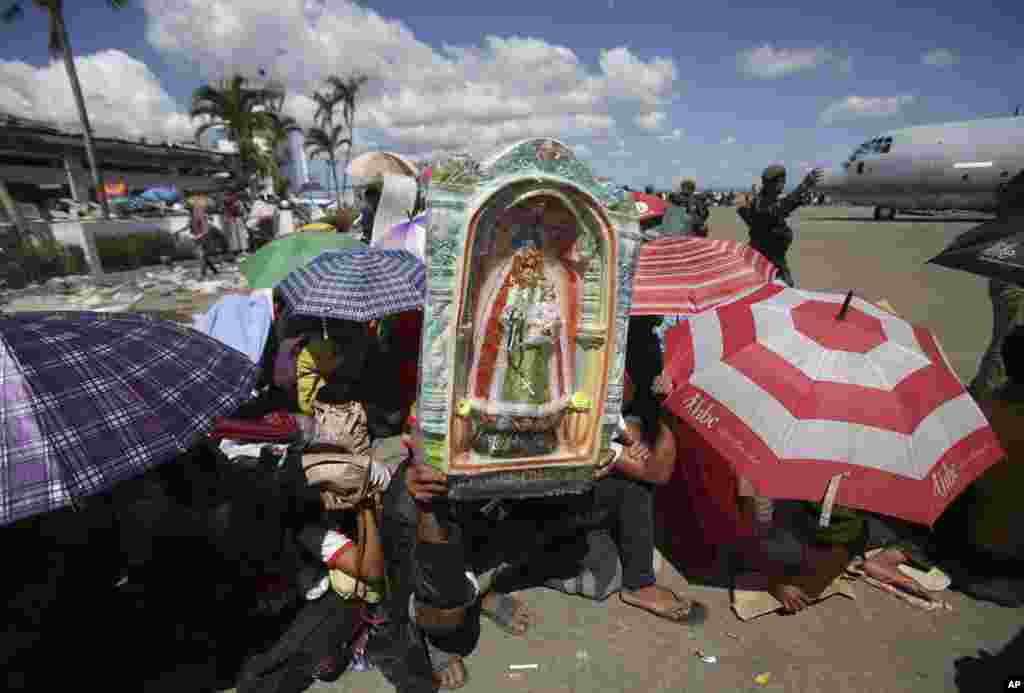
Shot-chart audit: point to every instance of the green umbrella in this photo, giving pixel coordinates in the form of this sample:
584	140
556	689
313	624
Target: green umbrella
268	266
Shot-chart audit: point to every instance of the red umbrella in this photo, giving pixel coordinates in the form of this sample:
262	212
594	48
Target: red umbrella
802	392
649	206
683	276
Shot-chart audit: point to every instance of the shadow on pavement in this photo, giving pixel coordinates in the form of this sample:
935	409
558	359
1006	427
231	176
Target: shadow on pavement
988	672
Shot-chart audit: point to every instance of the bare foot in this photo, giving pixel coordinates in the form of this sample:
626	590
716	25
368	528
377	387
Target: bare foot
452	677
884	567
508	613
662	602
792	597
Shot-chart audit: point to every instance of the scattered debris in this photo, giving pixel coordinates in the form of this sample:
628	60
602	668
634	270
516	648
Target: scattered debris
763	679
704	657
516	667
733	636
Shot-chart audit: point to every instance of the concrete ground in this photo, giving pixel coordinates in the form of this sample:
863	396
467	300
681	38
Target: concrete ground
875	644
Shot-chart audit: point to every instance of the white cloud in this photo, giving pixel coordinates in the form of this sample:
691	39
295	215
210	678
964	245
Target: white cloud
651	121
729	140
673	136
123	97
854	107
940	57
769	62
418	97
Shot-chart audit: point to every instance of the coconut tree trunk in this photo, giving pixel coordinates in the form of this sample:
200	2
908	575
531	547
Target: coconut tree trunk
76	88
20	226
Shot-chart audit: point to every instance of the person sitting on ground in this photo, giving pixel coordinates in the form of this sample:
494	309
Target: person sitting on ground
337	604
800	559
993	515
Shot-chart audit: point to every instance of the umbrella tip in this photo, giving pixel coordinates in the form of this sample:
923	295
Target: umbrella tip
846	306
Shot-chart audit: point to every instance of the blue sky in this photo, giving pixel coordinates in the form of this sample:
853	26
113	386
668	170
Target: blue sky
737	86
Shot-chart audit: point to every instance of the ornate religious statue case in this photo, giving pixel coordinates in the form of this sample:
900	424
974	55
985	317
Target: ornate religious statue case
529	280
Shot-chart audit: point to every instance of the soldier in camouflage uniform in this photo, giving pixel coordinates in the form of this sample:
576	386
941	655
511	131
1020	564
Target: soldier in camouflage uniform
696	208
766	216
1007	300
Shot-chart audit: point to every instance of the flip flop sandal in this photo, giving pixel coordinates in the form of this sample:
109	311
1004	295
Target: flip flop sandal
694	615
506	611
933	580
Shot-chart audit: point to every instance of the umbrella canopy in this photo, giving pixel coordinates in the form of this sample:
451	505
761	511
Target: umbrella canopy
994	249
267	267
410	235
649	206
357	285
792	395
92	399
684	276
373	164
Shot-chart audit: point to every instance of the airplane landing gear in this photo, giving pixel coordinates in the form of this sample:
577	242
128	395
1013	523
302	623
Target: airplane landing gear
887	213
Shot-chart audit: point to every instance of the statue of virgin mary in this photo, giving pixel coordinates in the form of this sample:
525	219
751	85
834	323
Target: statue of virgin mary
523	370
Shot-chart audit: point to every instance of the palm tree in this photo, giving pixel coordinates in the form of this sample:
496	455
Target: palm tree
326	142
240	111
344	92
60	46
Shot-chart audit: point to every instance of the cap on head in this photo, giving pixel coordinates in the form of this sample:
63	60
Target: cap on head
688	185
773	173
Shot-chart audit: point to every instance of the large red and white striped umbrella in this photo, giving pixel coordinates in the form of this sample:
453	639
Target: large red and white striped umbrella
684	276
793	396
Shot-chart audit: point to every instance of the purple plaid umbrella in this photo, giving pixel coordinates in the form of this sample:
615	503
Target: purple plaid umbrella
359	285
91	399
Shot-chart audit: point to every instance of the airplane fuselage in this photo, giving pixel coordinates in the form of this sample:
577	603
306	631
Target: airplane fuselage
932	167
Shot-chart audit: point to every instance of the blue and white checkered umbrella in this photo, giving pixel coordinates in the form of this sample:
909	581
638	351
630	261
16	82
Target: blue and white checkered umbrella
91	399
358	284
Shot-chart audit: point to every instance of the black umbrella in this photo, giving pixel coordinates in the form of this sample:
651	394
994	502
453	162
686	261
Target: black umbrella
993	249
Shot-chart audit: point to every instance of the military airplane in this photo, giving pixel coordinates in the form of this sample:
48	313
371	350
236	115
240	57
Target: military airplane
949	166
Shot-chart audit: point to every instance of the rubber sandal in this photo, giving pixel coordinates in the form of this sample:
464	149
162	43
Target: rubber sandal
695	615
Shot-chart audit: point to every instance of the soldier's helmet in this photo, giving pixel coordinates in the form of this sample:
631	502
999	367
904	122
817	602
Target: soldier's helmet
689	185
773	173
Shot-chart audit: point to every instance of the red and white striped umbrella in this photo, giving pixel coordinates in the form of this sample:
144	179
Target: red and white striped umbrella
684	276
794	396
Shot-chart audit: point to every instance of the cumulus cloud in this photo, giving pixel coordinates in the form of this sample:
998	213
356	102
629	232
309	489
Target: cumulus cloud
940	57
768	62
855	107
650	121
673	136
470	97
123	97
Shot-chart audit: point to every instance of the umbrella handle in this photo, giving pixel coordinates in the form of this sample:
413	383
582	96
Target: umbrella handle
846	306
